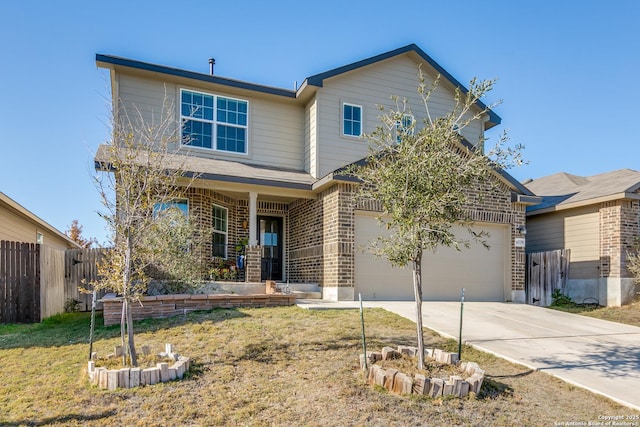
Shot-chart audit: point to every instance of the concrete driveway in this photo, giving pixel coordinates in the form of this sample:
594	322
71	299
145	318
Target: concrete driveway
601	356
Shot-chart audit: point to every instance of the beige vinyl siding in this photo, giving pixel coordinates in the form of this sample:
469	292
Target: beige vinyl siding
16	228
583	237
143	99
311	138
575	229
276	134
276	129
369	87
545	233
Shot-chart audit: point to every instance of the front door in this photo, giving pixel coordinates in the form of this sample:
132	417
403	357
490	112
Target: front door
270	238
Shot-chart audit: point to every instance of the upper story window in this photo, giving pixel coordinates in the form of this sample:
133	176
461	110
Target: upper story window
404	126
39	238
351	119
214	122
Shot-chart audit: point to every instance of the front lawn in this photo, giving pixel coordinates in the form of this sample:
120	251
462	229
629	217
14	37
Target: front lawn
628	314
271	366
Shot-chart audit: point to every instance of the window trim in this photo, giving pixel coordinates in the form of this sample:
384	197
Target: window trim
214	123
342	120
225	233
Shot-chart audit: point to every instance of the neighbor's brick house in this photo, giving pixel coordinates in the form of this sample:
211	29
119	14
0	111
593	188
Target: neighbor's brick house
597	218
268	163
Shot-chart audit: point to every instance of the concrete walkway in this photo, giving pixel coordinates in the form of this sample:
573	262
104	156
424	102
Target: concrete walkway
600	356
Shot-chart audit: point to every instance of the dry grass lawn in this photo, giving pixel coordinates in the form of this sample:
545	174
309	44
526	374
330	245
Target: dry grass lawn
276	366
629	314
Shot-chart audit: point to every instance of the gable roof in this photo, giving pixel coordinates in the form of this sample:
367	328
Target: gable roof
316	80
23	212
564	191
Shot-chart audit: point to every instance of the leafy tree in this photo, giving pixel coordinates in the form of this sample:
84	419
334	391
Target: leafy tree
139	173
420	177
75	233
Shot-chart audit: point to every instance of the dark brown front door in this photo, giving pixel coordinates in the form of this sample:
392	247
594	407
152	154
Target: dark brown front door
270	238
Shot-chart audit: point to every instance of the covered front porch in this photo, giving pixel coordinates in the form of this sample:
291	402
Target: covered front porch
274	224
289	239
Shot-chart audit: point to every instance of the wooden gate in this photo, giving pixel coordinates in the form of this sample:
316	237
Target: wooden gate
19	282
81	268
546	272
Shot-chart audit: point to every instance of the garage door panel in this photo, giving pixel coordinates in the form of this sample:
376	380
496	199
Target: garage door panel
444	273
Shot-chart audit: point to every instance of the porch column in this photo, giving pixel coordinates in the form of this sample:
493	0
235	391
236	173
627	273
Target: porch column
253	218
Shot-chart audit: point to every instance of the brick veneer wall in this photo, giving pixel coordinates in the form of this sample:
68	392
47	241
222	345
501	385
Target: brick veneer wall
618	231
321	232
306	241
253	263
338	236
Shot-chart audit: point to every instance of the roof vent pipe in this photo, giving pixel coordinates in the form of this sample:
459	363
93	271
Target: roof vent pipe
212	62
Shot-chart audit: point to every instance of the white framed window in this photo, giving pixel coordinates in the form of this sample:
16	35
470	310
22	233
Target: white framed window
39	238
181	204
220	232
404	126
351	119
214	122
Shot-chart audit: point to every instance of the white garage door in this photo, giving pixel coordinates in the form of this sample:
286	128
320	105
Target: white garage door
483	273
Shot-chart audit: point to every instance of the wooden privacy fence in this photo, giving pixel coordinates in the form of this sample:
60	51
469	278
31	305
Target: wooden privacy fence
81	268
546	272
36	281
19	282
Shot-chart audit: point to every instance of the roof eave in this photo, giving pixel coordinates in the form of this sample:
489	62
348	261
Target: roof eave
111	62
36	219
582	203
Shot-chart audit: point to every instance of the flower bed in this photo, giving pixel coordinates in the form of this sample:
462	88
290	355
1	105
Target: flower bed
469	376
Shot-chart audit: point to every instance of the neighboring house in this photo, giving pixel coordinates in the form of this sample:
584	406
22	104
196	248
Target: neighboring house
269	164
19	225
597	218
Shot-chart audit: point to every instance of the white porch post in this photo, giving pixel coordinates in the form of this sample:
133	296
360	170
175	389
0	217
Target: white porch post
253	218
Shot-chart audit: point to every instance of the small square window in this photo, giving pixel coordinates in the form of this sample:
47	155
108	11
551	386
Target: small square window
351	120
404	126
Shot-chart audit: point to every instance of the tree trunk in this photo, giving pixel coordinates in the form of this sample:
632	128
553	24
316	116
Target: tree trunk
123	326
132	344
417	290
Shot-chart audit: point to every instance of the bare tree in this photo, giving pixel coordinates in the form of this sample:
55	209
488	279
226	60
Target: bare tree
139	177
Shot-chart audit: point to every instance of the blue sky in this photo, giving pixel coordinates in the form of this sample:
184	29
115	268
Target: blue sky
567	73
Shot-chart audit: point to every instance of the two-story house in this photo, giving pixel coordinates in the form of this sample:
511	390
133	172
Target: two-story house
268	162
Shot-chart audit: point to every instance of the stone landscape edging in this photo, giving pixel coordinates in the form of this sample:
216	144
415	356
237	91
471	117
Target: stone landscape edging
400	383
136	377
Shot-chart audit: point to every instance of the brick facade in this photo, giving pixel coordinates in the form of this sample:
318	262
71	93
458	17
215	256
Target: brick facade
320	232
618	231
306	241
